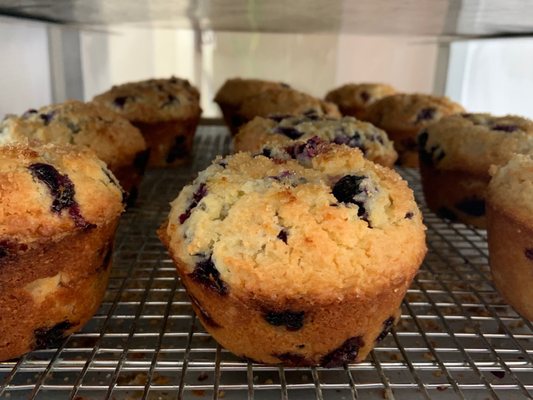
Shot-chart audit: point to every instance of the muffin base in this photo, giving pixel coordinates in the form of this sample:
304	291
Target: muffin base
512	270
331	334
52	289
455	195
406	146
170	142
130	176
231	118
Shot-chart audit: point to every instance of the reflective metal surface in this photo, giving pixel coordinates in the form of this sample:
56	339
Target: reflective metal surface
410	17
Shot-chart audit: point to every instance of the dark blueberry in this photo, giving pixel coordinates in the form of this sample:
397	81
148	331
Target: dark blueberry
223	163
347	188
141	160
466	115
300	346
62	191
207	274
435	154
278	117
346	353
472	206
120	101
205	316
74	128
266	152
286	86
60	186
294	360
251	360
171	99
377	138
292	320
498	374
197	196
46	118
409	215
289	131
30	112
173	79
178	150
79	220
3	251
356	140
387	326
423	139
446	213
529	253
426	114
311	114
50	337
311	148
282	235
365	96
505	128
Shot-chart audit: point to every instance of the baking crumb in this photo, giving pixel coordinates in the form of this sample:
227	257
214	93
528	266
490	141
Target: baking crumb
428	356
269	382
437	373
198	392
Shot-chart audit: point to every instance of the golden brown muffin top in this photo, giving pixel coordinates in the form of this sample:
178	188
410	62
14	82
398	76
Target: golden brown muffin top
373	142
153	100
511	187
474	142
410	112
234	91
48	191
334	226
358	95
285	103
114	140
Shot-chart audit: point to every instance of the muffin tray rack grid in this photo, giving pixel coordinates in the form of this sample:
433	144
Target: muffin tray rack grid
457	339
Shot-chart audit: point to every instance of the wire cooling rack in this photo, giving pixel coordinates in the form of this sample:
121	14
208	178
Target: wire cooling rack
456	339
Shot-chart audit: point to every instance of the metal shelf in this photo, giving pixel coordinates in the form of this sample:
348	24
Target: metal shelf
457	339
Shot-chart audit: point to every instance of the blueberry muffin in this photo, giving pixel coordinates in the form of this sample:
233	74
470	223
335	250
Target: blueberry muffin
166	111
59	209
234	91
456	154
402	116
298	261
114	140
510	232
283	103
372	141
353	99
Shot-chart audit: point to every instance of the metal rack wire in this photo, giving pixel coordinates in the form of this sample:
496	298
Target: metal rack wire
457	339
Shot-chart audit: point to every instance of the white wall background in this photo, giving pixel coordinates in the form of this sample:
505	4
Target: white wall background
484	75
25	68
494	76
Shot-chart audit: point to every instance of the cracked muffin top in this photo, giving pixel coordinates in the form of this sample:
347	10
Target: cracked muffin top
511	187
327	226
48	191
234	91
285	103
410	112
354	98
373	142
153	100
114	140
475	141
